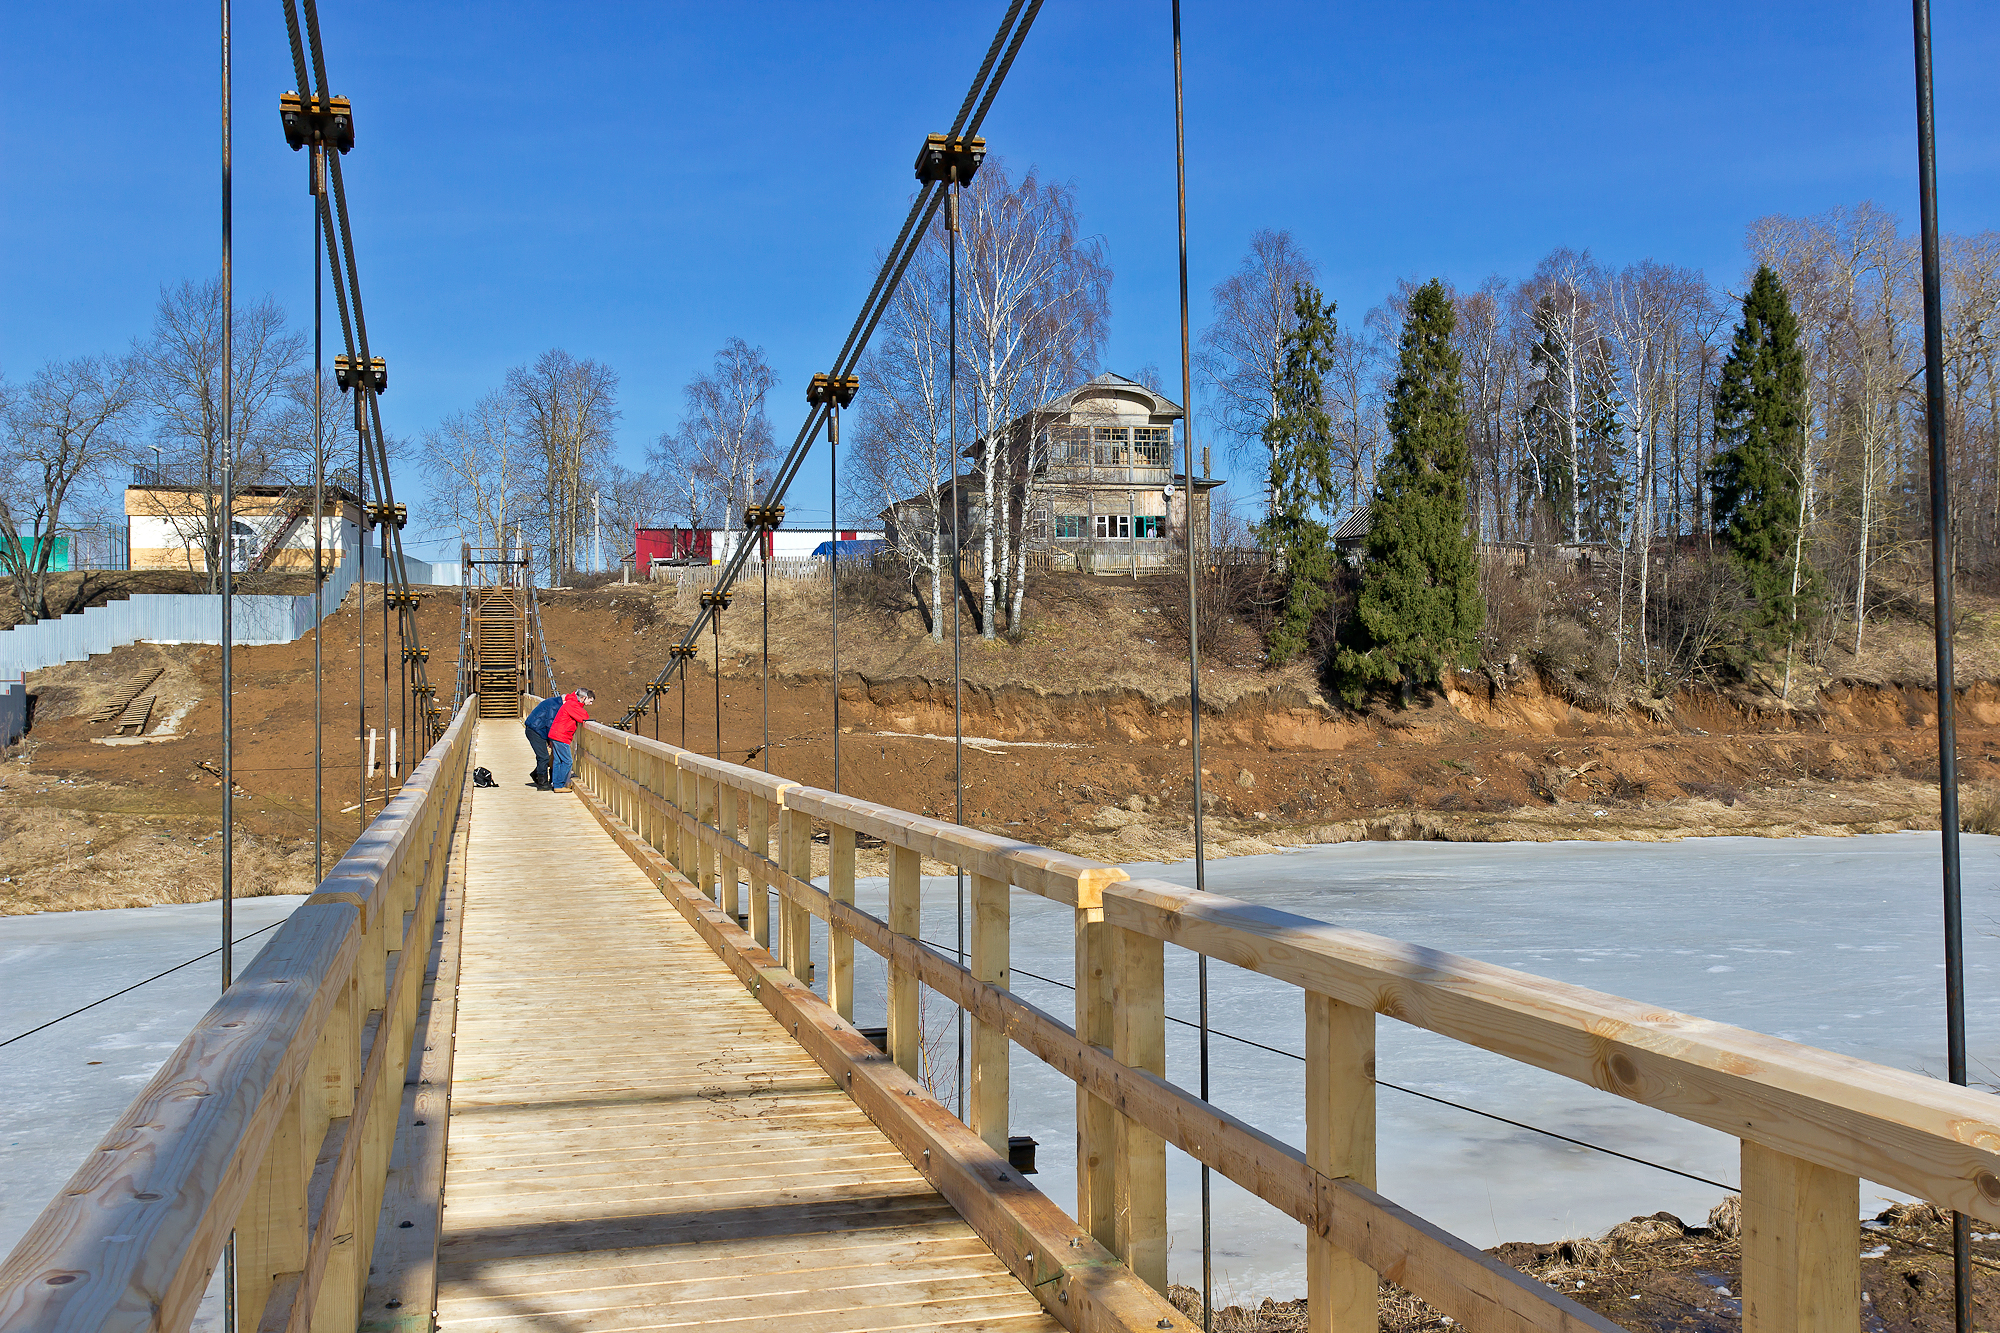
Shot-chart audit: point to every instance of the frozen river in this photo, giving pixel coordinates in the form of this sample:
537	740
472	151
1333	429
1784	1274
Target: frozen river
1834	942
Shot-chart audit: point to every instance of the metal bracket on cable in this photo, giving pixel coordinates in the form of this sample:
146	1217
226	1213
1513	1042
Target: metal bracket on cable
398	513
326	122
947	159
417	655
837	390
347	376
765	518
679	651
713	598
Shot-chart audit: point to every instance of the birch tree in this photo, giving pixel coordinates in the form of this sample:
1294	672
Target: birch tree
566	409
1035	300
713	459
902	436
479	470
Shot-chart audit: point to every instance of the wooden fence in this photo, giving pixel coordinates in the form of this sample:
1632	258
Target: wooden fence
1811	1123
274	1118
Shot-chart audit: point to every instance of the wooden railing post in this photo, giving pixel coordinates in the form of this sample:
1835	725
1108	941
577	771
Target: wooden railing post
725	821
686	801
986	1102
1139	1040
794	922
704	856
839	944
271	1228
1801	1245
760	850
906	1038
1094	1118
1340	1141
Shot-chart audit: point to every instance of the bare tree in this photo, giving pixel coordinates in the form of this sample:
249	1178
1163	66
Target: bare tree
1242	349
64	429
566	409
1036	301
713	460
478	466
902	441
181	385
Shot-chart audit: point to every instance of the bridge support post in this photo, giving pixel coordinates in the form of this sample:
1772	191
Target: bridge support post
906	1036
1340	1142
987	1099
1801	1245
839	944
760	848
1139	1040
1094	1118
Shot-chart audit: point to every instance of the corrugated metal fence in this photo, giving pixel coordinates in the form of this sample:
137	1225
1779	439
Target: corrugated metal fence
176	618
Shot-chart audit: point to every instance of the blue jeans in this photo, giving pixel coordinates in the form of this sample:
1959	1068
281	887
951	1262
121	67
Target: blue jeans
559	771
539	742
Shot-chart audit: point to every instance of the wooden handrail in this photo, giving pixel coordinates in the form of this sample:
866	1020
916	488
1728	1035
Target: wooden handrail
1811	1122
272	1119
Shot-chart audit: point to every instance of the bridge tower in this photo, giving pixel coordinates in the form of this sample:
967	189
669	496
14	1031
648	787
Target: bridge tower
497	628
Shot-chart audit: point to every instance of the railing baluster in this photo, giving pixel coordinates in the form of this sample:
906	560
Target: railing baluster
1340	1141
704	856
760	848
839	944
986	1101
1801	1245
1094	1118
732	874
794	922
686	802
271	1227
906	1036
1139	1040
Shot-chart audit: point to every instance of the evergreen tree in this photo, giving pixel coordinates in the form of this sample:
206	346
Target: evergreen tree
1301	443
1757	475
1419	607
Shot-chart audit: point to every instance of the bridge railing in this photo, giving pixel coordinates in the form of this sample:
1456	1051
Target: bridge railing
274	1119
1811	1123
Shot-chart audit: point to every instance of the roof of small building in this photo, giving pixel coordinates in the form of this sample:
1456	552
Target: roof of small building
1356	525
1157	404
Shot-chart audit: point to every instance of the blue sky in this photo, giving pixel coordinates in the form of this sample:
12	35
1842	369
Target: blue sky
637	183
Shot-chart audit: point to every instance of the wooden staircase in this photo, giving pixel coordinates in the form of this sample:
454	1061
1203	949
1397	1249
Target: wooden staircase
500	649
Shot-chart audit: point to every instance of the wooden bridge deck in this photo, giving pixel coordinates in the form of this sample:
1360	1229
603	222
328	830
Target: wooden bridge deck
634	1141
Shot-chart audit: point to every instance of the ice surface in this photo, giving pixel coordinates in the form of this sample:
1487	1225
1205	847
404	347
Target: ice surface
67	1084
1834	942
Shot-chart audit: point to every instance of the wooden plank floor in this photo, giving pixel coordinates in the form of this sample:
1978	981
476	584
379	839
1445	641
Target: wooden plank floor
636	1144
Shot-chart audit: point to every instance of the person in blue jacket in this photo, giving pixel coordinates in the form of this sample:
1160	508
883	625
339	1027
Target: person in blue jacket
538	737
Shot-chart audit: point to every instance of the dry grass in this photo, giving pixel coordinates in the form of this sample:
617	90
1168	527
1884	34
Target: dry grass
55	859
1979	810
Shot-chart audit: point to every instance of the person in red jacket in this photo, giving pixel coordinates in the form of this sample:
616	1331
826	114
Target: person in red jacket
575	711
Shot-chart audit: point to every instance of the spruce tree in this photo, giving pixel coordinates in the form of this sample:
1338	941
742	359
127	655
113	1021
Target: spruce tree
1420	607
1300	439
1758	471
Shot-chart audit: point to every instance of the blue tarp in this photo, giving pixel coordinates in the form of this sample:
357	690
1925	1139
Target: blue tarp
849	549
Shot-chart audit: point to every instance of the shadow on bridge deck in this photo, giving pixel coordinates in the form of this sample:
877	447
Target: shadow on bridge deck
636	1143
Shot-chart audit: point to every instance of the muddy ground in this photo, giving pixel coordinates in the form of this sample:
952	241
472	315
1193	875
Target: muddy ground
1659	1275
1077	737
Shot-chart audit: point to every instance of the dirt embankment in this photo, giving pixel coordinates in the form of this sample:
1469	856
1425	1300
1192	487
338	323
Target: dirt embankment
1077	737
1659	1275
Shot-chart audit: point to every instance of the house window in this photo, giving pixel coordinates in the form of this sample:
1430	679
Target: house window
1069	446
1153	446
1148	525
1110	445
1113	526
1069	527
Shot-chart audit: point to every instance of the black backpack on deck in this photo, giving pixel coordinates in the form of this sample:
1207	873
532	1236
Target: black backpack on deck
483	777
